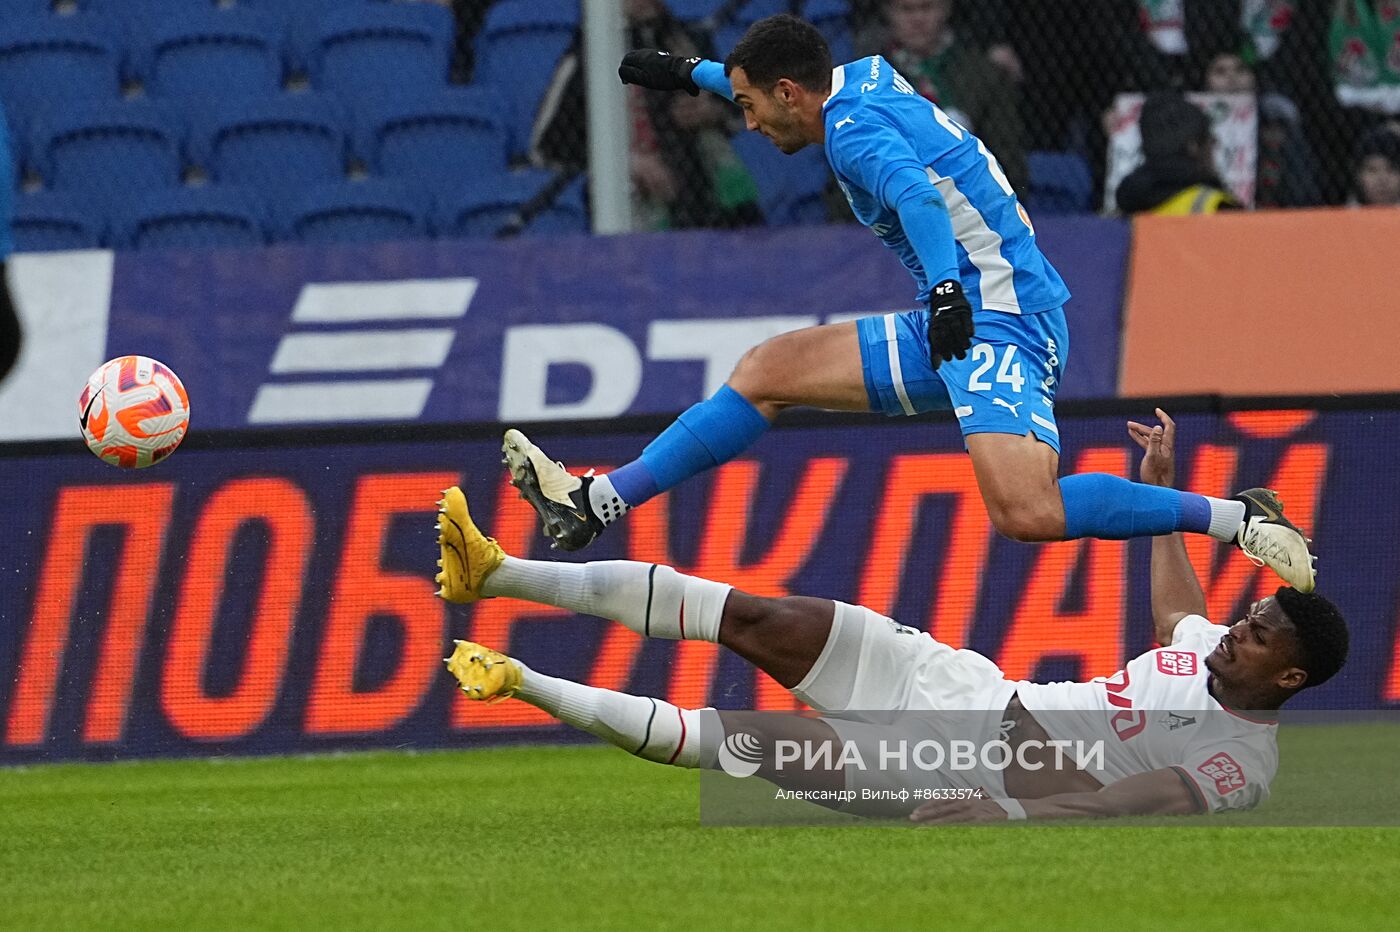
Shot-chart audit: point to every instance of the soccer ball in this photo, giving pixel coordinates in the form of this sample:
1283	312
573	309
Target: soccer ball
133	412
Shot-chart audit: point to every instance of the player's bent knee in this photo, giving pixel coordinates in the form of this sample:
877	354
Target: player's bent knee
1028	523
749	375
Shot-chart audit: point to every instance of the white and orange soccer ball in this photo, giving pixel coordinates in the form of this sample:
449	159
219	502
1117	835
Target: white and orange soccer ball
133	411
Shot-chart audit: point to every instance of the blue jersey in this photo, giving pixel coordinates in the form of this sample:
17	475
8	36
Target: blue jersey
876	124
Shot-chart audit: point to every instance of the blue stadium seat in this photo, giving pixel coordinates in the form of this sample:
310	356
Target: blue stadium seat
1061	183
208	217
833	19
694	11
791	188
731	29
109	150
380	47
372	210
567	214
279	143
46	221
295	13
443	140
140	15
520	43
50	60
13	8
15	137
486	207
219	54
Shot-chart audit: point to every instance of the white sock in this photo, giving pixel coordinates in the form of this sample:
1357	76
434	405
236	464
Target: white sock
652	600
649	728
1226	515
604	500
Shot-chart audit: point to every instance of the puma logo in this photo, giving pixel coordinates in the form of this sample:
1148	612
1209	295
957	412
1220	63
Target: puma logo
848	120
1008	405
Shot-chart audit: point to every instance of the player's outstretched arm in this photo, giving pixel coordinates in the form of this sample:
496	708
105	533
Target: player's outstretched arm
662	71
1176	592
1157	792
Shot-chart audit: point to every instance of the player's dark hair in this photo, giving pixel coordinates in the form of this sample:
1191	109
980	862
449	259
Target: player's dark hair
1321	633
782	46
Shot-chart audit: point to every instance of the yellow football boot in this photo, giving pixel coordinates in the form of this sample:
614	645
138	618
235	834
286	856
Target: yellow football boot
468	556
483	674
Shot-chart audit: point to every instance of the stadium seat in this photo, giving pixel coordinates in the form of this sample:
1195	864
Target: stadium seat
520	43
14	8
567	213
295	13
791	188
1061	183
493	203
110	150
279	143
443	140
833	19
372	210
694	11
140	15
729	29
50	60
220	54
367	47
206	217
46	221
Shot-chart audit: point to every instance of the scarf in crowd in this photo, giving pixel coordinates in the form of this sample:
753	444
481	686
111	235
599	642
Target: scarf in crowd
1365	43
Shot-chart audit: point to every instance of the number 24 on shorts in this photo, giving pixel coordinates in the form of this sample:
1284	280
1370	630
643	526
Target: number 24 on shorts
1008	373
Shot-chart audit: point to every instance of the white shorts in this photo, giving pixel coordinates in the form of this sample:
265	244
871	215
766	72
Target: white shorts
871	663
873	668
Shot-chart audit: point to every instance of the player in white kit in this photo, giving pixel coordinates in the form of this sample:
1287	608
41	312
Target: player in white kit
1188	727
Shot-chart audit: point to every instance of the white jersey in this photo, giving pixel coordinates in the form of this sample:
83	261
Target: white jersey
1156	713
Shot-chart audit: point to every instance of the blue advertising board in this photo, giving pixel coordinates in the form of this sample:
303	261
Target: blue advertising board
473	331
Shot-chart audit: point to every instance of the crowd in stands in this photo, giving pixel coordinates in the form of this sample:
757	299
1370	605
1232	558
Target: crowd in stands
147	123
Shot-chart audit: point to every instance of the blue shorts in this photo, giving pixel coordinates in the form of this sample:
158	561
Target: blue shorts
1006	385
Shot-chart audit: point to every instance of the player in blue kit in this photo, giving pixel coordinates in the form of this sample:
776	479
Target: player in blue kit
989	344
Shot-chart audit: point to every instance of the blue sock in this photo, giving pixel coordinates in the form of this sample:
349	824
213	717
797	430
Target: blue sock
709	433
1110	508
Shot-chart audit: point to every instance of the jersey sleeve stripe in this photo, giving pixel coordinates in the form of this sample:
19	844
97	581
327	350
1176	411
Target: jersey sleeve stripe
1201	804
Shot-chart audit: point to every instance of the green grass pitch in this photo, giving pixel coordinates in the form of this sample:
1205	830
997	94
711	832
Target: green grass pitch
587	837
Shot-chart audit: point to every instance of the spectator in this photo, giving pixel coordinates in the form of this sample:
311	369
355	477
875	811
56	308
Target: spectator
1185	33
685	172
1376	178
916	38
1177	175
1286	175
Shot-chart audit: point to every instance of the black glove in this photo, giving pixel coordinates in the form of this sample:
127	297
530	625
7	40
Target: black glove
659	71
949	322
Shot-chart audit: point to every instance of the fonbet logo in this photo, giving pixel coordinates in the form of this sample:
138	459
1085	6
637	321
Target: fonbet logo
350	338
740	754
